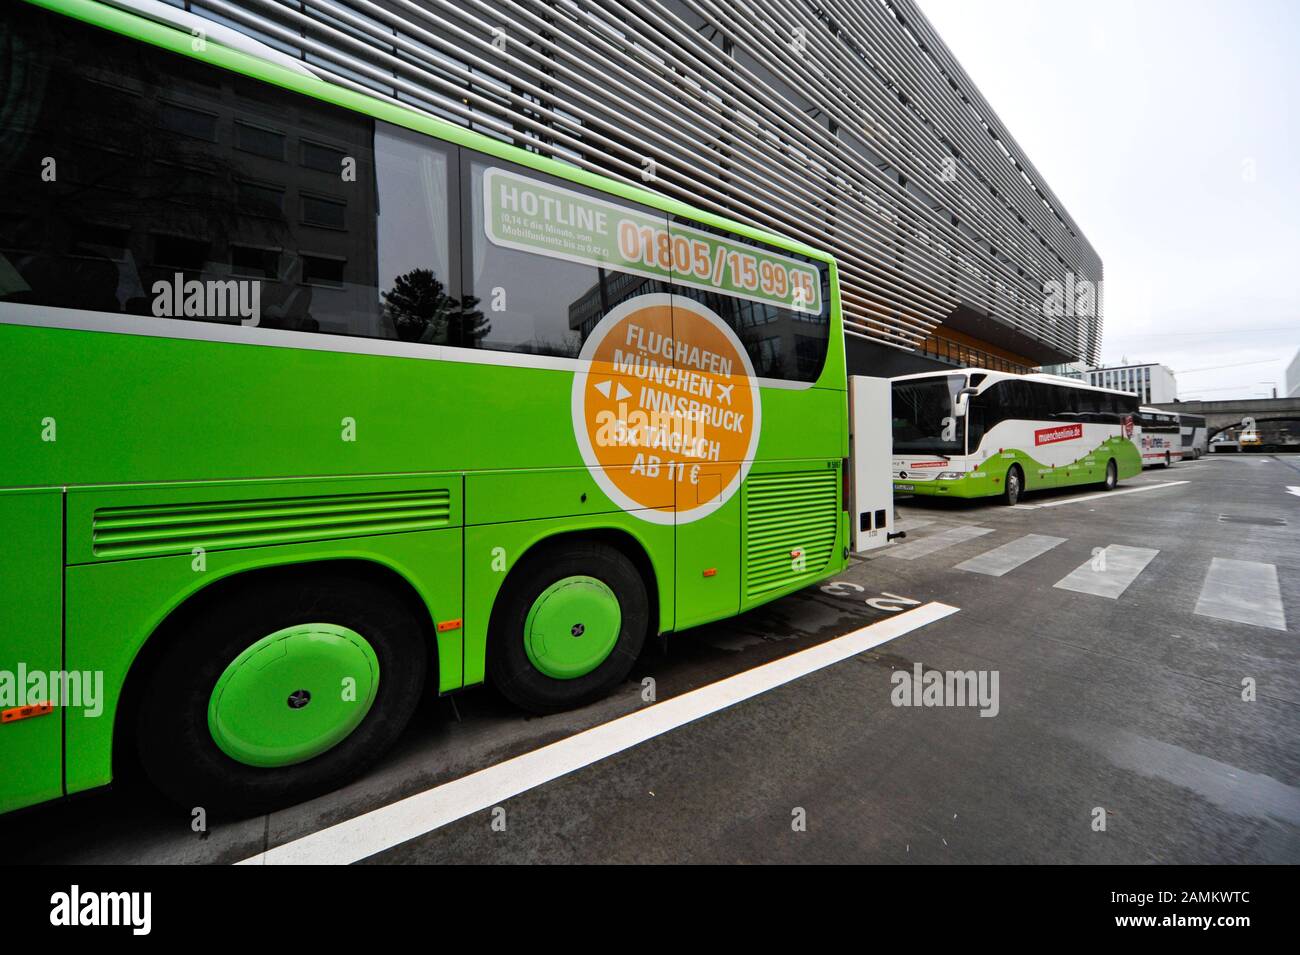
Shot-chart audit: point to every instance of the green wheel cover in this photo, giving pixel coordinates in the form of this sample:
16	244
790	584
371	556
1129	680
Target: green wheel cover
293	695
572	627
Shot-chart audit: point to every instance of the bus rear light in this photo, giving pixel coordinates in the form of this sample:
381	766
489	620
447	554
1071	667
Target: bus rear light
16	713
844	483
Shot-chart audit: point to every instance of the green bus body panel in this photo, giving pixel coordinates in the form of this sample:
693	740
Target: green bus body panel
114	607
496	497
708	545
444	471
31	608
1089	469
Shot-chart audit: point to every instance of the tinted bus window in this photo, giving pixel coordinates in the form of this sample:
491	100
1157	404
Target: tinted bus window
782	342
130	184
924	422
535	261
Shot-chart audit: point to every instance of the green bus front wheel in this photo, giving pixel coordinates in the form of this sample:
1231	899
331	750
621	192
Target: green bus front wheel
1112	476
1015	485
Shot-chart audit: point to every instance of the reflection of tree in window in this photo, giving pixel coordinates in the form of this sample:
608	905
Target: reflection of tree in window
421	310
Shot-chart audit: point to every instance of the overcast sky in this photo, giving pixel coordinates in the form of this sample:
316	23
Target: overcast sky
1171	133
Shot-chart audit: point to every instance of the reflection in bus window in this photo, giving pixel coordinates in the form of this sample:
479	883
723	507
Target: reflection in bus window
537	304
782	343
324	219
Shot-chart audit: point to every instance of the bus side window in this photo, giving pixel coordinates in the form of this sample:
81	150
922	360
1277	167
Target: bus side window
186	192
781	342
534	302
976	415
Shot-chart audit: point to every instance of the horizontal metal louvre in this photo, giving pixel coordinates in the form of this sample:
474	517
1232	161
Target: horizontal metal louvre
845	123
785	513
159	529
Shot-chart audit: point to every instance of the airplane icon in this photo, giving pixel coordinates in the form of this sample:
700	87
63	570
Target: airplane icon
726	391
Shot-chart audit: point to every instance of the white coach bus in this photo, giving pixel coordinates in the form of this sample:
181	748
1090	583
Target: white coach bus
976	433
1161	437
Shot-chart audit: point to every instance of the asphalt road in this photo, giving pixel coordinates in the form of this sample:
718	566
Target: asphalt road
1123	631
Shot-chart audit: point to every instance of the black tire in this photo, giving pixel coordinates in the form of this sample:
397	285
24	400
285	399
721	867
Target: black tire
1112	476
509	667
1014	485
175	746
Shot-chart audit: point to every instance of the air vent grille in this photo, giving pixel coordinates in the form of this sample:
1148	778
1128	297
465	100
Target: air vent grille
160	529
790	526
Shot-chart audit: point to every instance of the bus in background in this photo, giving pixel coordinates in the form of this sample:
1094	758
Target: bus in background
977	433
314	404
1160	438
1195	436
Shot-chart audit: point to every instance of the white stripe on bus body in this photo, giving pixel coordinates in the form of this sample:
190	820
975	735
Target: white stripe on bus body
1243	591
1110	573
116	323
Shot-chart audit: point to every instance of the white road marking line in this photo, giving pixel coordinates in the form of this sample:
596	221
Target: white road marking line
1010	555
1244	591
1121	567
416	815
928	545
1104	494
1292	489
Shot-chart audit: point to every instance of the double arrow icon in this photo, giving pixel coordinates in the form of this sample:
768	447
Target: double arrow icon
620	394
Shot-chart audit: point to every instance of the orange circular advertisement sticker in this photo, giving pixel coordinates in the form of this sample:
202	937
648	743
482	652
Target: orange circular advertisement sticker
666	412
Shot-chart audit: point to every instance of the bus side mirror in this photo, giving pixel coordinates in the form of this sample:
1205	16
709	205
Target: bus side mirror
960	401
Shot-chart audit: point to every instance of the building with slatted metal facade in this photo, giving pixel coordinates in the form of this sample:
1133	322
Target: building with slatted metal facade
847	124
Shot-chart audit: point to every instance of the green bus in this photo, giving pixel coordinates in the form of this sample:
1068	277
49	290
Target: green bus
314	403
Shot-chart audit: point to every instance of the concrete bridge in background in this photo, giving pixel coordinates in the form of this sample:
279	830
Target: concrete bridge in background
1228	414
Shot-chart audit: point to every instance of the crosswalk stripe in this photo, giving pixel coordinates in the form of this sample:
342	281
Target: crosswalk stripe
911	525
1117	567
1010	555
936	542
1244	591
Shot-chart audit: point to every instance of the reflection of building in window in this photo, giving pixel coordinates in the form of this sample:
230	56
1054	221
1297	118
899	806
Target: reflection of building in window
610	289
809	353
767	353
211	176
756	313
